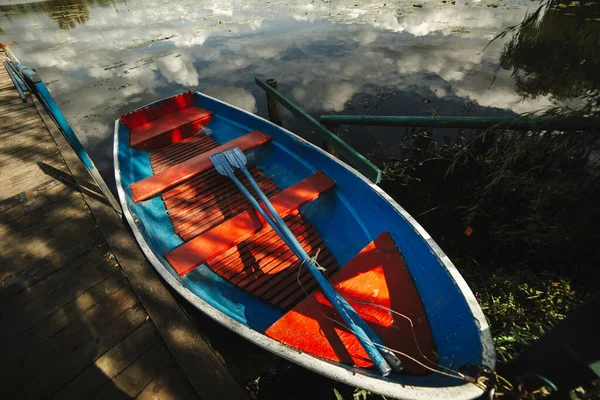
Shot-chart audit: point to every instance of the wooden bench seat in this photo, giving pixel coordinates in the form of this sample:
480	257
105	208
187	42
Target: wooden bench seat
165	122
241	227
187	169
375	281
169	129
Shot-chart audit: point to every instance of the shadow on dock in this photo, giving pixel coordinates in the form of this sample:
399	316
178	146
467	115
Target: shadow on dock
72	325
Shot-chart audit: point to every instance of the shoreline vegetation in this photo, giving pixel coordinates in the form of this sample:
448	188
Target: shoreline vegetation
517	211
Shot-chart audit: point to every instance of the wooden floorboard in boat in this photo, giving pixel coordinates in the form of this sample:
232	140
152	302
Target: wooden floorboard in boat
261	264
70	324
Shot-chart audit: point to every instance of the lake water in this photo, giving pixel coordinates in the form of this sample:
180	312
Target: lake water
103	58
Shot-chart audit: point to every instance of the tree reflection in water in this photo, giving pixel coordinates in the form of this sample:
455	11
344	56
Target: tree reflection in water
555	51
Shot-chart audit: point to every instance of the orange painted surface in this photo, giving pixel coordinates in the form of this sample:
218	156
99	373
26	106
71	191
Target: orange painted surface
378	276
264	266
148	114
179	152
169	129
181	172
210	199
239	228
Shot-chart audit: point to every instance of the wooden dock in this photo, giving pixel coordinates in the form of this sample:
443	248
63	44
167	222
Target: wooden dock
82	314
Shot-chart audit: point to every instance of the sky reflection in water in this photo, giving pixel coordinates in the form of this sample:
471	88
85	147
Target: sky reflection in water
103	58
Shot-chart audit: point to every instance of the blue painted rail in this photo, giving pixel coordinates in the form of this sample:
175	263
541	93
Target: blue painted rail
17	81
37	87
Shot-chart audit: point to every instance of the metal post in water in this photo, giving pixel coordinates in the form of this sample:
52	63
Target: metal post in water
272	104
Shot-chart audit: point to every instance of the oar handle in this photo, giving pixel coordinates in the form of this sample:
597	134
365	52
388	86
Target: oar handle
225	164
369	340
275	215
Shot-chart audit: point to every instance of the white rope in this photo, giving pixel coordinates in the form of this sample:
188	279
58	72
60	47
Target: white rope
452	373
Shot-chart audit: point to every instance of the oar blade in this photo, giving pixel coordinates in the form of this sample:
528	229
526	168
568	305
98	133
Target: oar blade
236	157
221	164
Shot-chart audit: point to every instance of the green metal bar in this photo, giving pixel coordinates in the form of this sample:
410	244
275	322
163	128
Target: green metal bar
353	157
517	123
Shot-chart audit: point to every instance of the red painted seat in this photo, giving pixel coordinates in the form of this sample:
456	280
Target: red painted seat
168	122
372	282
241	227
169	129
187	169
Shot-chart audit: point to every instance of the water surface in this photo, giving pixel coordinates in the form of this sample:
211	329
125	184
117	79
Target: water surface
103	58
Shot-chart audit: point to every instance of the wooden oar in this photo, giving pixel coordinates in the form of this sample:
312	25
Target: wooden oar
385	360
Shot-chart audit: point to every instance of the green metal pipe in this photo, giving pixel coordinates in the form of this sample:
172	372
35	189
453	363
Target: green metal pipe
353	157
516	123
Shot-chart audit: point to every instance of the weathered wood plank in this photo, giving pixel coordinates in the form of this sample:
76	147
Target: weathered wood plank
10	95
171	384
18	115
15	233
15	105
16	164
43	257
59	319
45	216
134	378
19	125
32	175
20	150
85	328
188	347
110	364
58	289
30	178
30	164
31	199
48	240
85	354
25	136
7	85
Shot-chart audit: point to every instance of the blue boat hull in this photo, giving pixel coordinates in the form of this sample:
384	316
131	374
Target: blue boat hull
347	219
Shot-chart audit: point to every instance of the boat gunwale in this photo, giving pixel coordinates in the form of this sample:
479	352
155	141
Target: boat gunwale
343	373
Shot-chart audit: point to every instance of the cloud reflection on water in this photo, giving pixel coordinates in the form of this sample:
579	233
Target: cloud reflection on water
129	53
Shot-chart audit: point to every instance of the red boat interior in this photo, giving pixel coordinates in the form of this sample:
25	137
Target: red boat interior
220	228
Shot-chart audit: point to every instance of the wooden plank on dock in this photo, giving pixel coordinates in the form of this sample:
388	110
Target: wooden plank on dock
169	385
30	199
110	364
62	317
71	323
213	380
85	354
131	381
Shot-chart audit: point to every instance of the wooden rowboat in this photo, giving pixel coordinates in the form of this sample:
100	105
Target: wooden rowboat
209	243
